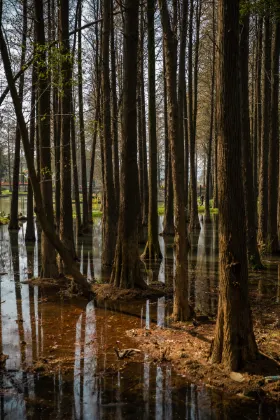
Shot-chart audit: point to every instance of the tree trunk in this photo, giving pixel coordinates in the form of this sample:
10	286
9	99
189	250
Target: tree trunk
48	254
109	202
273	167
13	223
143	169
266	107
66	216
181	308
82	125
126	271
168	223
30	228
194	221
114	112
247	167
207	217
152	249
234	342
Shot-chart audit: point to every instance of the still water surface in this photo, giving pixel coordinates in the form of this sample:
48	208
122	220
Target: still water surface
62	363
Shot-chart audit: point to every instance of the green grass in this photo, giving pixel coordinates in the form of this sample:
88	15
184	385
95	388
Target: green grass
4	220
6	192
201	209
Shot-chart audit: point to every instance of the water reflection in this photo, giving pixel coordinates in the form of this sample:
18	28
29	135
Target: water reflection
62	362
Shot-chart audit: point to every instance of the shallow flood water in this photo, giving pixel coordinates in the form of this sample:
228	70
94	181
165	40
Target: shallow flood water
62	363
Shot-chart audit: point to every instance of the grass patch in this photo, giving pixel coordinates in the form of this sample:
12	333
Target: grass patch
161	210
4	220
201	209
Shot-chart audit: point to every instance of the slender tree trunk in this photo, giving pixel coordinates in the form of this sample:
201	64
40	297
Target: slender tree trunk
259	99
194	221
115	136
207	217
82	125
66	216
181	308
97	115
249	196
152	249
142	124
13	223
182	102
273	166
234	342
109	202
168	223
48	254
266	107
75	167
30	228
126	272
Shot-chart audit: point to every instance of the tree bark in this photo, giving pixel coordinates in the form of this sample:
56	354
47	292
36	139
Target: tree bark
66	216
115	136
194	221
247	167
181	308
264	150
207	217
30	228
152	249
48	254
13	223
126	271
234	342
109	202
82	125
273	166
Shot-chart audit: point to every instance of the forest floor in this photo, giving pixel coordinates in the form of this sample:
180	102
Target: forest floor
186	346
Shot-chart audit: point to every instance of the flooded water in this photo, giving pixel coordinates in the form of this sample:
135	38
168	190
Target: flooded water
62	363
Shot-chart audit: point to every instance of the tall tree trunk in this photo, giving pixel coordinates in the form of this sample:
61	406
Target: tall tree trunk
182	102
168	223
207	217
97	114
143	169
13	223
126	272
66	216
48	254
234	342
109	202
266	107
30	228
114	111
247	167
181	308
75	165
152	249
273	166
194	221
82	125
258	97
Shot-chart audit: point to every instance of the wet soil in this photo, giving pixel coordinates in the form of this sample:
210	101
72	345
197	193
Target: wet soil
187	347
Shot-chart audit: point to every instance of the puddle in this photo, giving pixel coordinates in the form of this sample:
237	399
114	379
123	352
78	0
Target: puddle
62	363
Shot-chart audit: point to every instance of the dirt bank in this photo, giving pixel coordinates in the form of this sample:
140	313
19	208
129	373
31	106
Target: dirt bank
186	346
